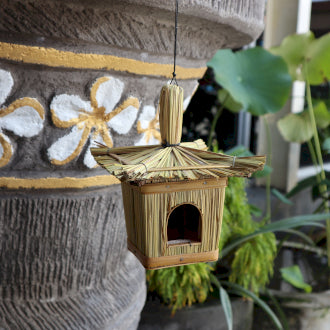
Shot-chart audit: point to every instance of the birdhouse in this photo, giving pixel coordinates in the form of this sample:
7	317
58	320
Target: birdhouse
173	193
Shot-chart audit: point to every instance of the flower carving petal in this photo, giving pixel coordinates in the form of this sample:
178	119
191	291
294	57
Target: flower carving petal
106	92
148	126
89	160
69	146
69	110
92	119
6	150
147	140
123	122
24	117
147	115
6	84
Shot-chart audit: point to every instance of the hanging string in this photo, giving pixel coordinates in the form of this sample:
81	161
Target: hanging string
175	40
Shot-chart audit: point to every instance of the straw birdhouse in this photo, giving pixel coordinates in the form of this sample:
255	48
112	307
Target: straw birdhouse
174	192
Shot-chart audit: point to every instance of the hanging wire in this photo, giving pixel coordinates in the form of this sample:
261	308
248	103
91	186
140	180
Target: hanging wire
175	41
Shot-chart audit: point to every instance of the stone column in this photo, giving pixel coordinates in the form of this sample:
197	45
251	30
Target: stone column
73	72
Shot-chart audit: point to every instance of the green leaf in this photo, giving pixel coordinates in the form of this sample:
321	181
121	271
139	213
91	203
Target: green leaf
305	184
242	291
279	310
254	77
317	58
300	234
302	185
294	276
326	145
225	98
301	50
281	197
239	151
296	127
292	50
284	224
226	305
256	211
322	115
267	170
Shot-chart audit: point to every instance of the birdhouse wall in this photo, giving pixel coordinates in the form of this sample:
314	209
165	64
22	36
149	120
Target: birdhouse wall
147	210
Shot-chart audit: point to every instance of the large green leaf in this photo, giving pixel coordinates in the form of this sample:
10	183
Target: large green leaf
226	305
318	60
322	115
239	290
294	276
306	57
225	98
254	77
296	127
292	49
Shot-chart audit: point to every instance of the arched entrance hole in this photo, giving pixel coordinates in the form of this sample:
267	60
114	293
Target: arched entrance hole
184	225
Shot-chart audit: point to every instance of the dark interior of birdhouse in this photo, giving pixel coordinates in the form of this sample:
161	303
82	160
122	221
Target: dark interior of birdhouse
184	225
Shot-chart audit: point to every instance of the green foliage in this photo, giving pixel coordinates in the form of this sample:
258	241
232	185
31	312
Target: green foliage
294	276
236	214
225	98
296	127
226	305
326	145
322	114
259	91
252	264
306	57
181	286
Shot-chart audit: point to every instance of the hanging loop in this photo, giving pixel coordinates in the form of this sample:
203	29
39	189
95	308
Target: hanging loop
173	80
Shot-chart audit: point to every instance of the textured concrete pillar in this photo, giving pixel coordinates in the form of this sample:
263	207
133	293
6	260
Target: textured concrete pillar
72	72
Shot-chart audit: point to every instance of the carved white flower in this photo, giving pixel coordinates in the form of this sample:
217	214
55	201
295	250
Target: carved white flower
91	119
24	117
148	125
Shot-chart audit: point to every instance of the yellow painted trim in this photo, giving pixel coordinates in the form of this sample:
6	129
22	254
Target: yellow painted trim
23	102
58	58
58	183
7	151
94	89
131	101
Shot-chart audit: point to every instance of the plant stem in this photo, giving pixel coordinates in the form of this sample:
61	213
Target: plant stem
268	178
323	187
304	247
215	120
314	159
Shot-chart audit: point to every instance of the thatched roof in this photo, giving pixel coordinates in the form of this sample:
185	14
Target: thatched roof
172	160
